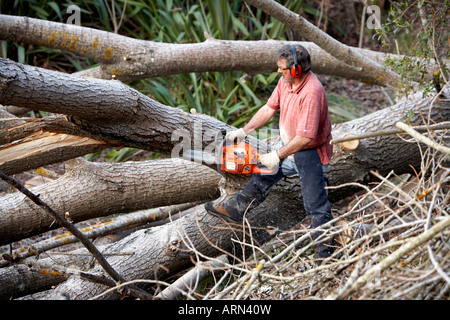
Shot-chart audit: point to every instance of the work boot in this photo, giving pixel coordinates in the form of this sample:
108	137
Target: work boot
323	251
218	210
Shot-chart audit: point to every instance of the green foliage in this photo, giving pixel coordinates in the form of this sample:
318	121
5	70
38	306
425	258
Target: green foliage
417	30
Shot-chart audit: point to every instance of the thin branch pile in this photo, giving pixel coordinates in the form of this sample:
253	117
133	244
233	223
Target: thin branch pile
392	242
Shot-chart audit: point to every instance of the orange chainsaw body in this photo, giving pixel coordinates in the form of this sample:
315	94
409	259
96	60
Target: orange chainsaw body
240	159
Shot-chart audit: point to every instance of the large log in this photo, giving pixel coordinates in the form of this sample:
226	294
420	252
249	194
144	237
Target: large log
109	111
130	59
89	190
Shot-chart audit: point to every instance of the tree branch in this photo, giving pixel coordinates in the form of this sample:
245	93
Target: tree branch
124	222
411	244
422	138
130	59
108	110
439	126
337	49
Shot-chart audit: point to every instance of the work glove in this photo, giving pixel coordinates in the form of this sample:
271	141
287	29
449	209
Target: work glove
269	160
238	135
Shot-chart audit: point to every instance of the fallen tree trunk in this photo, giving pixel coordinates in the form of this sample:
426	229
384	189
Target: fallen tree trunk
130	59
386	152
89	190
34	143
19	280
109	111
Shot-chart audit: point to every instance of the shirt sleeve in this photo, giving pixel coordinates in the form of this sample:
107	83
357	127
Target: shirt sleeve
309	118
274	100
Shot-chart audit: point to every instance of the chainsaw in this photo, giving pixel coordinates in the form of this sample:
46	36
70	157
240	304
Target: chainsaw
234	158
240	158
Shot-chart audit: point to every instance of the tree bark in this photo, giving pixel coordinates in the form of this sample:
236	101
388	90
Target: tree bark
19	280
108	110
130	59
43	148
89	190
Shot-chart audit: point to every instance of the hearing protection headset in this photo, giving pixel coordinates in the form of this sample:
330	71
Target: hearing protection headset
296	70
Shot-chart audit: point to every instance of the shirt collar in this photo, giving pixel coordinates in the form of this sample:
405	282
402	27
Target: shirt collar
300	86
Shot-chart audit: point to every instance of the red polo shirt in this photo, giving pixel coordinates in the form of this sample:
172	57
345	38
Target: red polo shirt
304	112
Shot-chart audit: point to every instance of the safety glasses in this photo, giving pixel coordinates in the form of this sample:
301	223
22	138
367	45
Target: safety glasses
283	70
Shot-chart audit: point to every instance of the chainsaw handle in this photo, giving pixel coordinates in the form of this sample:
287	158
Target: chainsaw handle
262	170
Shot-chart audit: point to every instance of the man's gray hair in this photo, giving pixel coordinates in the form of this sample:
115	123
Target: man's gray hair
303	58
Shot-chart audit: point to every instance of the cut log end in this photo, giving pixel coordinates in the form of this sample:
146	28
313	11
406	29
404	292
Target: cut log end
350	145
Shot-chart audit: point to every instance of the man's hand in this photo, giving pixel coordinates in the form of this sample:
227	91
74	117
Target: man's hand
238	135
269	160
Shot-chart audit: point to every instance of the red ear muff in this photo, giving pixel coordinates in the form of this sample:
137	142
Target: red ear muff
296	70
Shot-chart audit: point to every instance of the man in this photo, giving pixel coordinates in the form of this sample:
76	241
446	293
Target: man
305	130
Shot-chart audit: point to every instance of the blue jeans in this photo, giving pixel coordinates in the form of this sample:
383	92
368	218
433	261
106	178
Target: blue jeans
306	164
